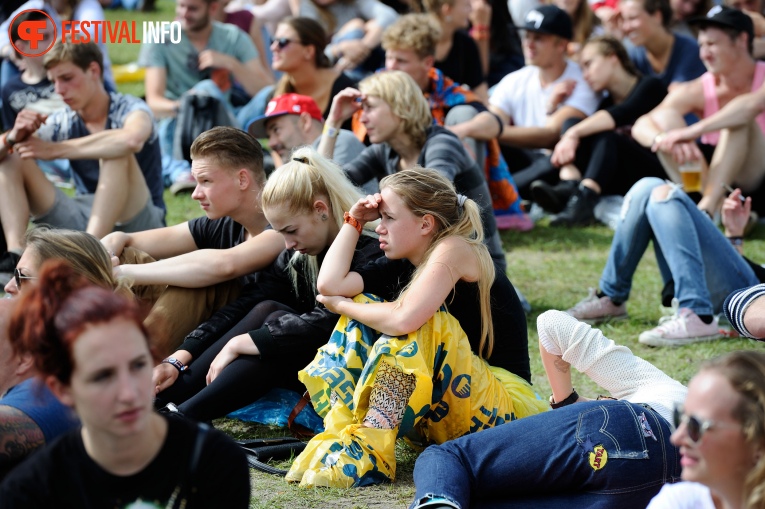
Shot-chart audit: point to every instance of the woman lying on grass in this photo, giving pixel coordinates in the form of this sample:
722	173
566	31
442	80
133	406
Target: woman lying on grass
418	366
594	454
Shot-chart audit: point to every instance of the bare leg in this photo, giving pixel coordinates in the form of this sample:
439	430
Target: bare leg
570	172
738	158
120	195
26	191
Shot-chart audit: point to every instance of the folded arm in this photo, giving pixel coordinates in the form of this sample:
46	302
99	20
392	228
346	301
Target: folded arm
451	261
107	144
206	267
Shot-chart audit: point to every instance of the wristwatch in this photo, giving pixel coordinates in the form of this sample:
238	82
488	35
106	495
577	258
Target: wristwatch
175	363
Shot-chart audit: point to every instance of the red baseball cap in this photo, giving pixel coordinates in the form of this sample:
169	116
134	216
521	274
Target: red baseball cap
285	104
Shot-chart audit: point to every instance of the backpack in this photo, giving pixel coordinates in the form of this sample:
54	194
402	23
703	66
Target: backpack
197	114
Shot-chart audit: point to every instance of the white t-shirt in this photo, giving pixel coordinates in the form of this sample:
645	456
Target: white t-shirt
683	495
521	96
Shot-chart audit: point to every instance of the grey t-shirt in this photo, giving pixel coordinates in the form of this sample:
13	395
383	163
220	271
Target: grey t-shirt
181	61
347	148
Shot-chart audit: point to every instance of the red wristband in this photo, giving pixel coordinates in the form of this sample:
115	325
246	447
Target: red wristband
349	219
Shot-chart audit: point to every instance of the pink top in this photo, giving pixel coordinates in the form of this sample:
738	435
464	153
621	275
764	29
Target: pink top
711	106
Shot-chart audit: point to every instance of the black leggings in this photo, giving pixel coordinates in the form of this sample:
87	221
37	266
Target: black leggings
614	160
243	381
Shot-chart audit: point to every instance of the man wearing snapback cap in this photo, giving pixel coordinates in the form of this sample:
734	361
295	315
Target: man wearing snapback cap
522	98
733	155
294	120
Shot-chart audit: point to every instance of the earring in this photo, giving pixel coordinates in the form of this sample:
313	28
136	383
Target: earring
324	217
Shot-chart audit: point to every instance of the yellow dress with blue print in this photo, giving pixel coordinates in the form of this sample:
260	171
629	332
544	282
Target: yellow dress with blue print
451	392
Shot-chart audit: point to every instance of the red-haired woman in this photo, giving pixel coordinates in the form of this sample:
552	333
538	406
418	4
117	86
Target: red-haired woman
90	347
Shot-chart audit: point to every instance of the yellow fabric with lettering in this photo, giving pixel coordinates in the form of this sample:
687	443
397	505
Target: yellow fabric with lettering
455	393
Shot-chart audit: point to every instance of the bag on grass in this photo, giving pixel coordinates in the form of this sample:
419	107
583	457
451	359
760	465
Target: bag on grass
262	450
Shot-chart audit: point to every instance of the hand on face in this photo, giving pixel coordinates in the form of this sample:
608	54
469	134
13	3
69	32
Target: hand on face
344	105
367	208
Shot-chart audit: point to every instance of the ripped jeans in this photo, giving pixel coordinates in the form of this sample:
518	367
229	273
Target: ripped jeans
687	244
597	454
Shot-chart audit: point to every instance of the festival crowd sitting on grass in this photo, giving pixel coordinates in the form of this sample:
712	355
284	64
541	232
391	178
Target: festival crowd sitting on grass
392	306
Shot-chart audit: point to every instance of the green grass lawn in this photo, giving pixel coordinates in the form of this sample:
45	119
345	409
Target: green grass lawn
552	267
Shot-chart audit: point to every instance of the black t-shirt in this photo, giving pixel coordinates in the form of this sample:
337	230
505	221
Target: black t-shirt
386	278
63	476
341	83
647	93
223	233
463	63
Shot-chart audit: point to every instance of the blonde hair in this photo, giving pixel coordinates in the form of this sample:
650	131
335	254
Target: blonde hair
84	253
309	176
745	371
406	101
425	191
417	32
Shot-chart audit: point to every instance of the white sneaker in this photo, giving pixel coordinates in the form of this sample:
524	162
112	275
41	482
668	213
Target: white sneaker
683	327
594	309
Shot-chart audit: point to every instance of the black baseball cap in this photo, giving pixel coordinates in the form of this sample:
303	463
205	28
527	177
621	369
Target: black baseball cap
549	19
725	17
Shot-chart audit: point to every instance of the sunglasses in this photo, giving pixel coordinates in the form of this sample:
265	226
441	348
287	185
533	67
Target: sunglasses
695	427
282	42
19	277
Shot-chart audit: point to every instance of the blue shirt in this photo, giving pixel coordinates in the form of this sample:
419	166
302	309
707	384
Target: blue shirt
39	404
684	63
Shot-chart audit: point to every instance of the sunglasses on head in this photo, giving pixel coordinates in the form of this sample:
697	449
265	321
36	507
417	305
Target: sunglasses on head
695	427
282	42
19	277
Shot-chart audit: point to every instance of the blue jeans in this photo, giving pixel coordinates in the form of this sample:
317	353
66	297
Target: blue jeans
687	245
545	461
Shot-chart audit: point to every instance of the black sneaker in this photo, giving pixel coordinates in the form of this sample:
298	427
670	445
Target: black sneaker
580	209
553	198
8	261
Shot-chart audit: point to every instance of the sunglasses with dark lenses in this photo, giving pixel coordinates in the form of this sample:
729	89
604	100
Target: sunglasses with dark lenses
19	277
282	42
695	427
